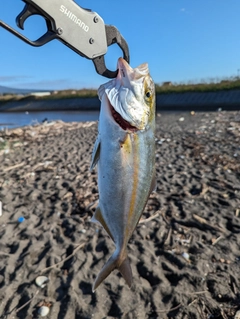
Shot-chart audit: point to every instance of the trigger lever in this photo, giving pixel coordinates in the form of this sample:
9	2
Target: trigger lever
27	11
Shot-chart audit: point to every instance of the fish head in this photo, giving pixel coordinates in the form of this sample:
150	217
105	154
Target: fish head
132	96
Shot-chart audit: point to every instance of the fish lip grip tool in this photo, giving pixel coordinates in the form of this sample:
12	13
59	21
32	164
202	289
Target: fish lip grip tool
82	30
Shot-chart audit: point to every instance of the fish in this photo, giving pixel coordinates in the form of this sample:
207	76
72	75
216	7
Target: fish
124	153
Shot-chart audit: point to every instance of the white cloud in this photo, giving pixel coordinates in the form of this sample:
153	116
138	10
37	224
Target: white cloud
185	11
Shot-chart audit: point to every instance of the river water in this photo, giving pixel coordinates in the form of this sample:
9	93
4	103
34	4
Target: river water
18	119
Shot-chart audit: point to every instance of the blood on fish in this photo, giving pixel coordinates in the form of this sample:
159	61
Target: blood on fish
125	125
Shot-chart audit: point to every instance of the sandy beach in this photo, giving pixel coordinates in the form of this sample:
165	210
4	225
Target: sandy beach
185	253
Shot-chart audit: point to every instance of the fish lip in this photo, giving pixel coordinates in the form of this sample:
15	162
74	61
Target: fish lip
126	71
120	121
123	68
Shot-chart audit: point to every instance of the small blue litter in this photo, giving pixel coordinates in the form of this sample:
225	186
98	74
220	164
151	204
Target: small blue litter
21	219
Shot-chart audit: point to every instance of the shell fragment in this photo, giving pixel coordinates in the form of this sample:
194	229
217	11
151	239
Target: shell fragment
41	281
43	311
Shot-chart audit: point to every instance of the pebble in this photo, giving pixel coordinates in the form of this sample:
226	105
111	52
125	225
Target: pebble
181	119
43	311
237	315
41	281
0	208
161	141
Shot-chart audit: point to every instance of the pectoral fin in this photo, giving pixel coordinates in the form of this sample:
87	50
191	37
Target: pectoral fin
95	153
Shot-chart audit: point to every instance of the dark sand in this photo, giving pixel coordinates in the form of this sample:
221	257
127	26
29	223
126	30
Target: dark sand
185	261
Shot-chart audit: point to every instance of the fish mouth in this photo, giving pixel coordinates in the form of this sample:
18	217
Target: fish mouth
125	70
125	125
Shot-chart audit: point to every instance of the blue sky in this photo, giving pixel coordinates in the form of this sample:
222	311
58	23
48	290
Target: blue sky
182	40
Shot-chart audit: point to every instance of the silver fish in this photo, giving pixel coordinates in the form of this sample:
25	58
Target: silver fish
125	155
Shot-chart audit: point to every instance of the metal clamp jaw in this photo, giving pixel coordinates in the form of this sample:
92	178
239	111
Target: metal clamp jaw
113	36
82	30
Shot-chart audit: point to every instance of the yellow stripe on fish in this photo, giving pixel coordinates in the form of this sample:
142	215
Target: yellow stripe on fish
135	150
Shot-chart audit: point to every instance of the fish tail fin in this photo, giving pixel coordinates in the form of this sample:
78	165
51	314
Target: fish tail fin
126	271
115	262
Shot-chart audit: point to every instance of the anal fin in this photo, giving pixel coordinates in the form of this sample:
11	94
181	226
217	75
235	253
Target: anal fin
98	217
153	182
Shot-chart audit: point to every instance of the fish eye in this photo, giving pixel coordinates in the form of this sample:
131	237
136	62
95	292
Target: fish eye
148	94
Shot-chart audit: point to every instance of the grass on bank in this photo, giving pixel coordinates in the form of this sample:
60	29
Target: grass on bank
164	88
213	86
69	94
63	94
